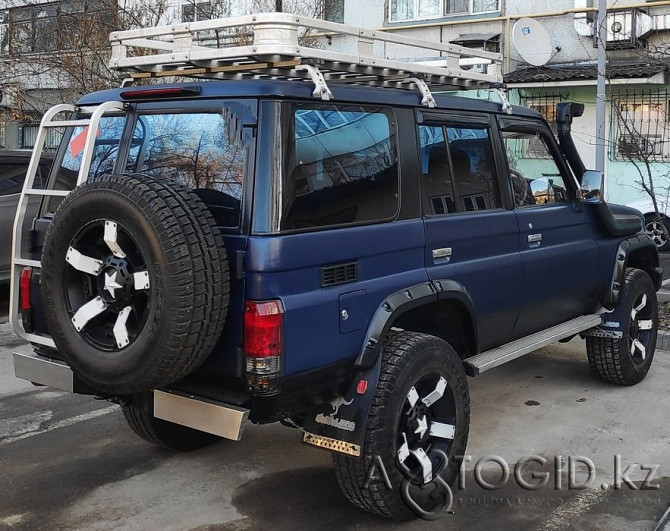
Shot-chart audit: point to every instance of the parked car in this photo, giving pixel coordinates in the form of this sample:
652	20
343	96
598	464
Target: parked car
337	259
13	167
653	223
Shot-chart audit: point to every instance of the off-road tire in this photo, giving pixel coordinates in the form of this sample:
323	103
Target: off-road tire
610	358
165	434
188	295
407	357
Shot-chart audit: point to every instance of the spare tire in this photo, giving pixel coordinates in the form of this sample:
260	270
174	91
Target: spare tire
135	283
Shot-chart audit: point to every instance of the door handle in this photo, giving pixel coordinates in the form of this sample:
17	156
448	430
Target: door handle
442	255
535	239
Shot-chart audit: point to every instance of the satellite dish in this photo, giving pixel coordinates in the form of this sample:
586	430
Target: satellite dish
532	42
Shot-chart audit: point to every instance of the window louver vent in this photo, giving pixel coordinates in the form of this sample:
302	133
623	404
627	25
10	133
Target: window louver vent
339	274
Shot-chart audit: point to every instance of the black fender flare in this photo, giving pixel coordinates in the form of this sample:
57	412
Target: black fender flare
340	424
626	248
403	301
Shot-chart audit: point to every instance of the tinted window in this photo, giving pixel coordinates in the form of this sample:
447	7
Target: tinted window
458	170
536	181
194	150
12	176
341	167
104	155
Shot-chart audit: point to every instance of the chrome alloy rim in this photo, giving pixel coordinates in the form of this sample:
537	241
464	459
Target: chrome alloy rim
426	429
655	231
640	328
107	285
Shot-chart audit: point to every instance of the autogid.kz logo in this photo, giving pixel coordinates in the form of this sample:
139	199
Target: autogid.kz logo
430	497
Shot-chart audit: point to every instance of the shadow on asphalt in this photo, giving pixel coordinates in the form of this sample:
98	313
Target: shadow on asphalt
312	498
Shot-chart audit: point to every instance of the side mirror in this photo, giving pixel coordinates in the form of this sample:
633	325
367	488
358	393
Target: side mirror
593	184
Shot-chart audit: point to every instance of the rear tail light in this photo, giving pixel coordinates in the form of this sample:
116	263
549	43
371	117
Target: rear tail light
24	288
25	305
263	322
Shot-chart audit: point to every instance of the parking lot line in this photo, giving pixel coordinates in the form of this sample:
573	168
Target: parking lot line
63	424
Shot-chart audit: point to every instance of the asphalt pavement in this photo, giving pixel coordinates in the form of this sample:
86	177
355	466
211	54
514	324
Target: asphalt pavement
70	462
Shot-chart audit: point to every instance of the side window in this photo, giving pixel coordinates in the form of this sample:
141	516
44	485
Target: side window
534	181
458	169
12	176
340	169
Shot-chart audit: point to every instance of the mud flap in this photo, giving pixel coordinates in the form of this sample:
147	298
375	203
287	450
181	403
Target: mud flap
339	426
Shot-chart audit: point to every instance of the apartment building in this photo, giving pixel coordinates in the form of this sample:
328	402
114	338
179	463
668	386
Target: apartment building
33	33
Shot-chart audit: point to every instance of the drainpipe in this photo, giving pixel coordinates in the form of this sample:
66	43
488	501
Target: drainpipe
601	95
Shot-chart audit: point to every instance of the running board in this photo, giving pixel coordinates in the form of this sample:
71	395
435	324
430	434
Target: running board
511	351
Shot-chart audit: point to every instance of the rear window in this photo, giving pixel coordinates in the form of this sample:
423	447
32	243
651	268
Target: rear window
197	151
204	151
340	167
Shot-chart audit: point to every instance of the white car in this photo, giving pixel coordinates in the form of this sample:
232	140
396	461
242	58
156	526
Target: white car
652	226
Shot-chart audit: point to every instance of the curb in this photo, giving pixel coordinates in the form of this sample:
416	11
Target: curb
663	340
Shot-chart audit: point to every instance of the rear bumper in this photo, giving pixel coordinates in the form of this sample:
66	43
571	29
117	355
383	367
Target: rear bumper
195	412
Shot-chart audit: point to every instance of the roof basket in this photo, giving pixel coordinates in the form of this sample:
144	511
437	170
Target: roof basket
285	46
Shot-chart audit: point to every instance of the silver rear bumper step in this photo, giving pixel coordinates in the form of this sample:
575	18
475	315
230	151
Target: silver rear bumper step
220	419
44	371
224	420
511	351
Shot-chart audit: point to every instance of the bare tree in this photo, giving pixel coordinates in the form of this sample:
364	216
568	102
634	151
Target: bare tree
56	52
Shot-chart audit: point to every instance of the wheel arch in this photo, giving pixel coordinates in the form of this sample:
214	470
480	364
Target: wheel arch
441	307
639	252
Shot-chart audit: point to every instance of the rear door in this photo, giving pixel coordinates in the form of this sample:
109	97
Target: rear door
471	230
556	234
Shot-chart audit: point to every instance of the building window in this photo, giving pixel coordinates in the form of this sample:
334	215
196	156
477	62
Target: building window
402	10
641	122
49	27
545	104
196	11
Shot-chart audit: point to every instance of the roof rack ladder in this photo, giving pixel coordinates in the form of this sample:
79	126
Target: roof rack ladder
20	261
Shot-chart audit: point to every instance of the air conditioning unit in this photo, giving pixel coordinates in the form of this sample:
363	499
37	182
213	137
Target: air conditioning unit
625	29
475	64
640	146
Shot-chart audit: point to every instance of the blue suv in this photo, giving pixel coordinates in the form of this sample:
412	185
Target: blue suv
211	252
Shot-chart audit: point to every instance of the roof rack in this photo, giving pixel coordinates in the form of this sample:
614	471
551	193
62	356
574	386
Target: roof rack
285	46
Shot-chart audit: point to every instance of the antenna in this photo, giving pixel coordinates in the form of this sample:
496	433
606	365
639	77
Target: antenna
532	41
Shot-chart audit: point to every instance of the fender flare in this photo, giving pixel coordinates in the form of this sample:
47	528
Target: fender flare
401	302
340	424
626	248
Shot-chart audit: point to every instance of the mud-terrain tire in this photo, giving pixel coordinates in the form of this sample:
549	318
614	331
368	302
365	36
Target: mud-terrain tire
410	361
140	306
621	360
166	434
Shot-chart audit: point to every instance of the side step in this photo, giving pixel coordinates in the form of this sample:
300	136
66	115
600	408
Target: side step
511	351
